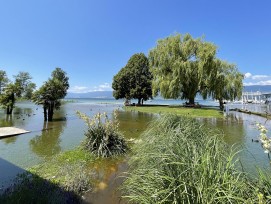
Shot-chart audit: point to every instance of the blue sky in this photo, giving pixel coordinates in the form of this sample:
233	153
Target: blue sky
93	40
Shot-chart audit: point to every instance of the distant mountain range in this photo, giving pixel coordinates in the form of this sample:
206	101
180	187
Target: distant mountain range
94	94
254	88
109	94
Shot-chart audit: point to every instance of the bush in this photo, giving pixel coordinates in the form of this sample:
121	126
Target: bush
103	137
181	161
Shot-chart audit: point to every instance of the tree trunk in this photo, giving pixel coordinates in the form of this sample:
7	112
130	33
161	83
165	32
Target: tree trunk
139	101
45	113
192	101
221	104
51	111
9	110
10	107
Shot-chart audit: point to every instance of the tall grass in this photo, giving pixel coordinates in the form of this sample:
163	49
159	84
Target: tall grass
181	161
103	137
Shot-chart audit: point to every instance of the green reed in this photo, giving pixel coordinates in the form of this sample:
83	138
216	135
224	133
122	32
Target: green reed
181	161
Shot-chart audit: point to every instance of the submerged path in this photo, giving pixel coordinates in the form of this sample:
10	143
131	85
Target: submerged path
11	131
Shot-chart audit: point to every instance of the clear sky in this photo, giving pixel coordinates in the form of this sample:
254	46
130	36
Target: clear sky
92	40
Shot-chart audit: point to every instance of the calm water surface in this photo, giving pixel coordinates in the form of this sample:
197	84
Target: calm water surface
67	131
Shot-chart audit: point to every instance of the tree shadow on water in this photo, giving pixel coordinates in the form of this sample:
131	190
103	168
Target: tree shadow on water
30	188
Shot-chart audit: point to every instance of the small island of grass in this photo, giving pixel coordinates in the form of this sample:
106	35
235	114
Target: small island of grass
203	112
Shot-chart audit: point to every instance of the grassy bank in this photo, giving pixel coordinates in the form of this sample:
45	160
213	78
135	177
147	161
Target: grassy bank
180	161
178	110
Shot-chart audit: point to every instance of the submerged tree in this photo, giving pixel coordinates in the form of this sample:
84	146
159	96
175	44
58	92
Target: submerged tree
13	90
179	65
23	80
29	90
3	80
8	97
134	80
50	93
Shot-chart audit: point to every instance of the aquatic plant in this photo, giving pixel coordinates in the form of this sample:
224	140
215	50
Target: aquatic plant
102	136
265	140
181	161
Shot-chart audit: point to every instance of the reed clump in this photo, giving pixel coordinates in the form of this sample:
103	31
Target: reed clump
103	137
181	161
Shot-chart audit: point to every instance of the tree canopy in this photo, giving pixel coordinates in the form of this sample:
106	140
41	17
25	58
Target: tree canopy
23	80
3	80
134	80
183	66
225	83
8	98
13	90
50	93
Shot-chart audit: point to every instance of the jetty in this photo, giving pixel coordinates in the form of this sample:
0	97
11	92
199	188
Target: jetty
11	131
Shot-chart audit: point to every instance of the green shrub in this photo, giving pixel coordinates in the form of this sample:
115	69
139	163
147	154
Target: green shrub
103	137
181	161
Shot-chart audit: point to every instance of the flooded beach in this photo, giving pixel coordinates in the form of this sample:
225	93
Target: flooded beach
47	139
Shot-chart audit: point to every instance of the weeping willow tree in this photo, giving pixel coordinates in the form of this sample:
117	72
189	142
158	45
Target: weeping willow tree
225	83
180	66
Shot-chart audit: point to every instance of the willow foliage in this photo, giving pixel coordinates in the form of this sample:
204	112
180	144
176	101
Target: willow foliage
183	66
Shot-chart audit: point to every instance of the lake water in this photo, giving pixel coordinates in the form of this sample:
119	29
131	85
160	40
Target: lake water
67	131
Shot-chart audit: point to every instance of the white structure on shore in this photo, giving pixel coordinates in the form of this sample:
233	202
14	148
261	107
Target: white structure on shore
256	97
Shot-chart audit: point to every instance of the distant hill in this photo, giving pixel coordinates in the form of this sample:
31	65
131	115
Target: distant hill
254	88
94	94
109	94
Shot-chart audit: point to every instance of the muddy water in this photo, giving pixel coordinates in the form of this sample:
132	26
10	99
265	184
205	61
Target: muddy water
67	131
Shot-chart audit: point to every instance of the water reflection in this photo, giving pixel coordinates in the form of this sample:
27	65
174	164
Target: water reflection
260	108
231	127
48	143
6	120
133	123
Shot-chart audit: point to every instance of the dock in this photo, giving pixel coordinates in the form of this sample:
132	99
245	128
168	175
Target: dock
11	131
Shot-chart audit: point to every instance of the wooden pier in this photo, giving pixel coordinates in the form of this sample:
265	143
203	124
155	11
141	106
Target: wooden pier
11	131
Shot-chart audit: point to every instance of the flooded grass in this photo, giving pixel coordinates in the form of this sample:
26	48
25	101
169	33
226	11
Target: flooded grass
179	110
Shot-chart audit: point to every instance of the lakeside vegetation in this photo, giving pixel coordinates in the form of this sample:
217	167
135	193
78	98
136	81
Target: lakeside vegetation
176	160
180	161
179	66
184	111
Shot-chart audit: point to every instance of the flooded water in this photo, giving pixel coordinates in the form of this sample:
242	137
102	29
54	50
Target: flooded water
67	131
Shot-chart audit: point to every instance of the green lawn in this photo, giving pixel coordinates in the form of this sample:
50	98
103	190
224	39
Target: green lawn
184	111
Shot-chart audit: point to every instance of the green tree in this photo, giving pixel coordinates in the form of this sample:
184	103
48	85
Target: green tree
8	98
3	80
29	90
23	80
121	84
50	93
134	80
224	84
179	65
